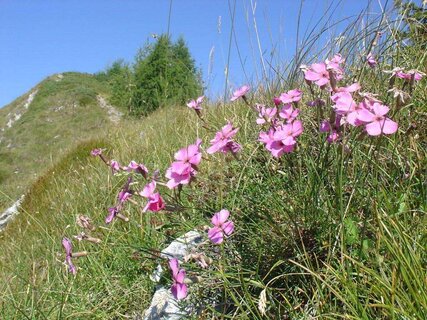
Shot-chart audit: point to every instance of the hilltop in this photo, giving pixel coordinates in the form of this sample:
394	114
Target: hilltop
40	126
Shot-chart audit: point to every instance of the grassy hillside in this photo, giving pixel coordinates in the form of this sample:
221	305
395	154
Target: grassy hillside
37	128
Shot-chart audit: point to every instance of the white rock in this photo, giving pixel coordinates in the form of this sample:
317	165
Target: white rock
163	305
182	245
10	212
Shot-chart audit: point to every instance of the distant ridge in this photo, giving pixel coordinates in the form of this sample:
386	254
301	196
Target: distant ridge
38	127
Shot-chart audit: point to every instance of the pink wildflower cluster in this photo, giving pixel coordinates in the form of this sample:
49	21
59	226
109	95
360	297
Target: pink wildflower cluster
325	73
349	108
223	141
184	168
221	226
284	127
369	112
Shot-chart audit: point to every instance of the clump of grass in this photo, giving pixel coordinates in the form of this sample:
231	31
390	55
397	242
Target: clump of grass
64	112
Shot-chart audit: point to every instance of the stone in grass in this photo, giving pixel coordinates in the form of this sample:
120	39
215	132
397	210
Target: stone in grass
163	305
178	248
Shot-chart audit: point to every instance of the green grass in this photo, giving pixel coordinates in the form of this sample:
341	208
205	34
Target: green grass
324	232
63	112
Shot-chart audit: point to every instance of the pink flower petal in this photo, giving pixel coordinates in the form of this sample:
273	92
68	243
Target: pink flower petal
373	128
216	235
179	276
297	128
365	116
389	126
311	75
379	109
174	266
179	290
112	213
319	67
228	227
148	189
220	217
325	126
322	81
66	243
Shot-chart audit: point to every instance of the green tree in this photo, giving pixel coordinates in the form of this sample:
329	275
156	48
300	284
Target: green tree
164	74
120	78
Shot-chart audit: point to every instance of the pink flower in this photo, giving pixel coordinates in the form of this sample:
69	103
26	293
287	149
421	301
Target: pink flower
335	66
138	168
66	243
195	104
179	288
112	213
318	74
370	58
125	193
277	101
191	154
155	201
332	128
325	126
96	152
376	123
282	140
265	114
115	166
185	168
179	173
345	106
408	75
291	96
351	88
333	136
240	93
223	140
221	227
288	113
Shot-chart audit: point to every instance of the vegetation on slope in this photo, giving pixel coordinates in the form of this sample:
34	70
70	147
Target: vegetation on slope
64	110
163	74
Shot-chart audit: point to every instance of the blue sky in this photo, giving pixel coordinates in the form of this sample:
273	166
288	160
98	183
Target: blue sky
42	37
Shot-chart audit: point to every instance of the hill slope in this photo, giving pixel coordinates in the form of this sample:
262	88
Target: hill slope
51	118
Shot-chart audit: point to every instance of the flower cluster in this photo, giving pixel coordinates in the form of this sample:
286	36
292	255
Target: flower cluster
221	226
181	172
284	127
368	112
155	201
223	141
281	128
184	168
